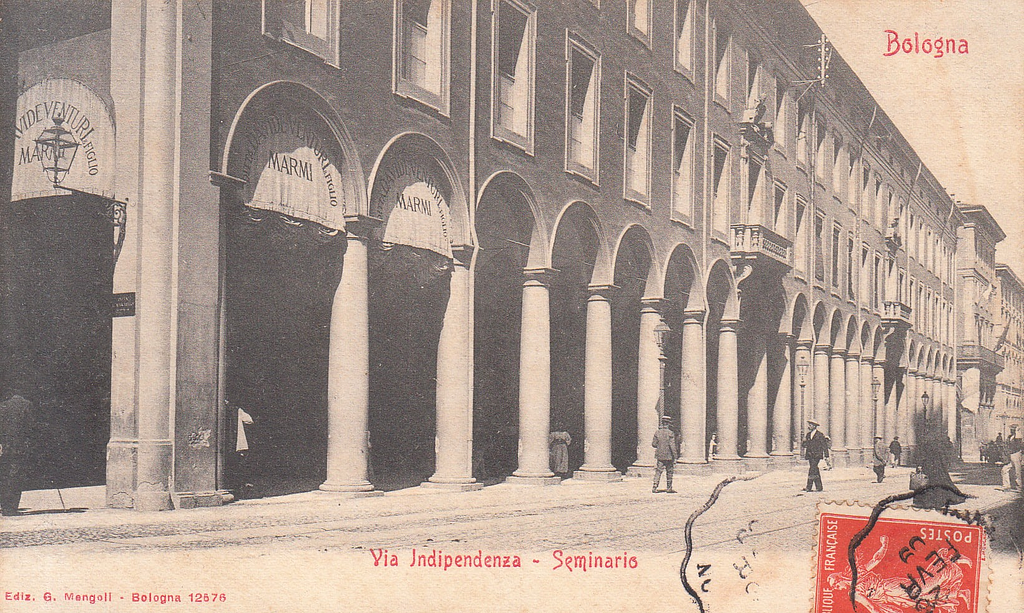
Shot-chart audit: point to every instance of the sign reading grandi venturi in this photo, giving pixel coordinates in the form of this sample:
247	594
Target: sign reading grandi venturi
410	196
86	116
289	167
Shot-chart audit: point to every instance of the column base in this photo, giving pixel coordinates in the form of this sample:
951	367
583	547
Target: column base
840	458
359	488
533	480
153	501
694	469
605	475
122	458
756	463
453	486
731	466
196	500
642	471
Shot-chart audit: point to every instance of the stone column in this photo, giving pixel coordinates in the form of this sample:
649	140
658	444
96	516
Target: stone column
837	401
157	220
867	413
648	387
902	406
757	400
535	382
454	400
802	391
852	413
728	394
782	414
692	410
951	409
348	373
889	427
878	404
937	410
913	400
821	404
597	389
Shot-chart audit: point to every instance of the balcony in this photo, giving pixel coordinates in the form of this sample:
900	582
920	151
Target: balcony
760	247
896	314
976	356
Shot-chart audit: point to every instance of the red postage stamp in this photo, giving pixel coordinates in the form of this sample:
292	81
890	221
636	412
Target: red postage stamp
905	561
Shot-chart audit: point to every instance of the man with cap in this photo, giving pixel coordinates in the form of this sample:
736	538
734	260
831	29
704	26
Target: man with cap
881	457
816	448
666	452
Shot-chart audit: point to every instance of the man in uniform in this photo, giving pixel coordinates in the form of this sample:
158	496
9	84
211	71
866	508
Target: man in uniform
896	451
666	452
1014	452
816	448
881	457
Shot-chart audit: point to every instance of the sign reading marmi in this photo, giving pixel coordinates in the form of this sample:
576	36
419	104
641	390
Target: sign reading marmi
85	115
411	199
289	167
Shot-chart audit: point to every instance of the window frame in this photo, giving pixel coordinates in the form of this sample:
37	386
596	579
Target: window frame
406	88
634	31
717	197
575	42
722	98
687	69
800	235
272	24
498	131
634	83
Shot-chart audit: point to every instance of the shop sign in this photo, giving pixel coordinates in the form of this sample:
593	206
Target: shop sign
409	198
289	167
82	113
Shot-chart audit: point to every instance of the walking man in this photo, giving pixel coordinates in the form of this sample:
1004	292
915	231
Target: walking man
816	448
666	452
896	449
1015	450
880	459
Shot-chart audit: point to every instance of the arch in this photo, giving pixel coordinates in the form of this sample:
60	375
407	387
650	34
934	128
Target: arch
722	284
800	325
509	188
820	321
681	259
634	237
422	147
912	350
866	348
291	93
852	338
837	335
579	211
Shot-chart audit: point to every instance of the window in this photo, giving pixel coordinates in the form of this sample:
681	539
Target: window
308	24
512	68
583	102
753	79
819	246
421	51
722	59
866	199
777	219
638	141
781	111
720	187
800	244
755	190
850	255
877	278
684	35
682	164
820	156
803	132
851	179
837	245
865	269
879	203
837	166
639	20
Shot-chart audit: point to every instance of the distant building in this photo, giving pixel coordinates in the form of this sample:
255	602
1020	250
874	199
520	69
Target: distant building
1007	410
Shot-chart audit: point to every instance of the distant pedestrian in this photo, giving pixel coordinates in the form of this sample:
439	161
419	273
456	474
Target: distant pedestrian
896	450
558	452
880	459
666	450
1014	451
713	446
918	479
815	448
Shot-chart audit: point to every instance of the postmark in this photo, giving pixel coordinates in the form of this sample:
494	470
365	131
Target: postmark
895	560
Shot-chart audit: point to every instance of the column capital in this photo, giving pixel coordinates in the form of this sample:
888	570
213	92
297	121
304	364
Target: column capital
802	343
693	316
853	355
819	348
729	325
651	305
601	291
360	226
538	276
462	255
912	371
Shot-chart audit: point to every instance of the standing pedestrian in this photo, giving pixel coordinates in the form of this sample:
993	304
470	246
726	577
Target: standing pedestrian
558	452
896	450
666	452
880	459
1014	451
713	446
816	448
243	463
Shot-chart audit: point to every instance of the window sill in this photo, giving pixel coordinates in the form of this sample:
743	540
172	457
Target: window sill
585	175
638	200
686	73
323	55
718	237
780	150
639	36
512	140
800	275
722	103
423	97
685	221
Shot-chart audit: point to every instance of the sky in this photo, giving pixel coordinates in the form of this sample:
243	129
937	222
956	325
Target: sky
963	114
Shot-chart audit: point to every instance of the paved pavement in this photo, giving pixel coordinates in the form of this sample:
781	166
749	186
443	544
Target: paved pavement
767	523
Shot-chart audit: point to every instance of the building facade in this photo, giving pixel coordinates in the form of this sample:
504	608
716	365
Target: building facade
1007	411
413	238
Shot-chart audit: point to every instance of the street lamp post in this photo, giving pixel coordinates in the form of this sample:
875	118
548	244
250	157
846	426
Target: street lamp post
876	386
661	332
801	377
924	409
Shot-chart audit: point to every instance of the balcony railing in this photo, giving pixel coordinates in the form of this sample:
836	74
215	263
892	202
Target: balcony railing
976	355
758	243
895	314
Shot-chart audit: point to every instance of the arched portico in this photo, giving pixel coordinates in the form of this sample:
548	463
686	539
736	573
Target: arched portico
722	327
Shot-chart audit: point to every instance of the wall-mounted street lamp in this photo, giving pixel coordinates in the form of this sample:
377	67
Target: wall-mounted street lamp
924	407
661	333
876	388
56	148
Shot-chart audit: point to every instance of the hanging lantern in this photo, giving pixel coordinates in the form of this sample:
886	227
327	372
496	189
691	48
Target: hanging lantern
56	148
